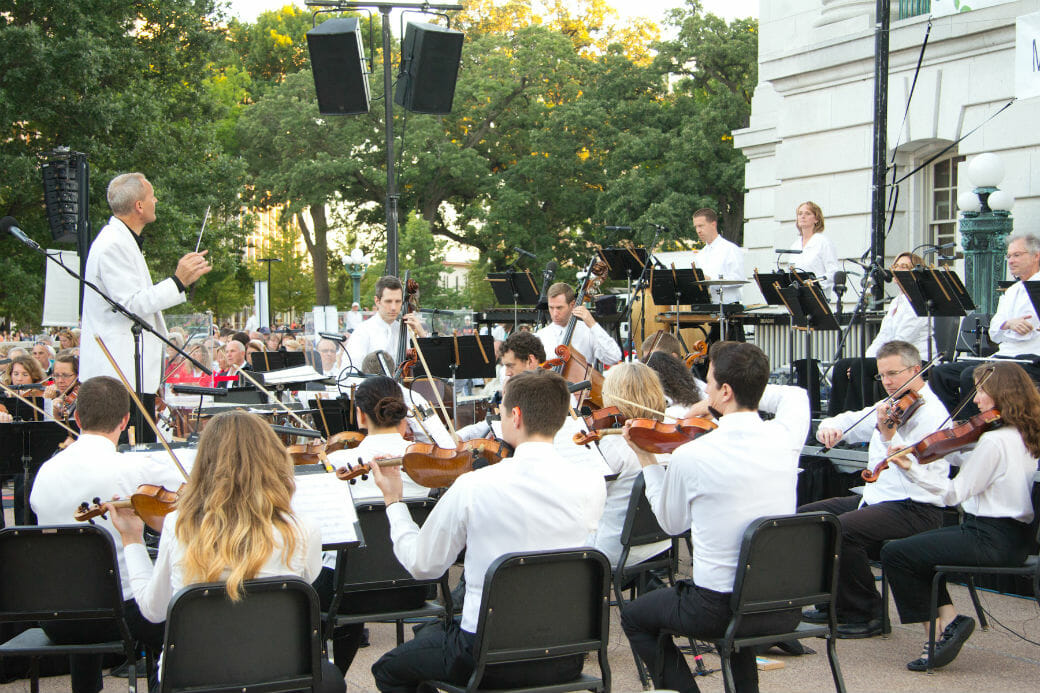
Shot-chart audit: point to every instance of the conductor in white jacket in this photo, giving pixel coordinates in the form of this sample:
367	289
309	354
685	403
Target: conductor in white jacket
117	265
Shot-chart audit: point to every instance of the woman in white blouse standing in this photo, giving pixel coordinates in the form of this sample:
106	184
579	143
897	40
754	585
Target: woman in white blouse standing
993	488
818	255
900	323
234	522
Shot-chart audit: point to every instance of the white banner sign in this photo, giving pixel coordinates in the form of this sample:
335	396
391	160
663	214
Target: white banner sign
61	292
1027	56
943	8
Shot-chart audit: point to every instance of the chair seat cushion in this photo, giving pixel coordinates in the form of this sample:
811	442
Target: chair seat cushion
35	642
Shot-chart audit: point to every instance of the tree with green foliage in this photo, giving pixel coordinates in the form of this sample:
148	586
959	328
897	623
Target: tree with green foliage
123	81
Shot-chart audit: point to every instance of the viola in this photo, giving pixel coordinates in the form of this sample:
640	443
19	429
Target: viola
152	504
587	437
491	449
307	453
607	417
661	438
426	464
937	445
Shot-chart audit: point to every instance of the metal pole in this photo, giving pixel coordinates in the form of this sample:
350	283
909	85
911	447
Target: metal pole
391	179
880	164
270	311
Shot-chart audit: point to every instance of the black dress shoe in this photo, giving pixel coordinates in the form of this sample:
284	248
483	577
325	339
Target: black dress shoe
863	629
816	615
952	640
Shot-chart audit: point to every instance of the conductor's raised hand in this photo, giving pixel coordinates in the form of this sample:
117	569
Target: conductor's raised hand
191	267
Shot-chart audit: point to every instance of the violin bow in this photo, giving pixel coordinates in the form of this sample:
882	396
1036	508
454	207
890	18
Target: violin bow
144	410
14	393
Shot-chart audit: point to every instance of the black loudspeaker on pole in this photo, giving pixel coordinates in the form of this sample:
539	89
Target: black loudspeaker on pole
338	64
430	56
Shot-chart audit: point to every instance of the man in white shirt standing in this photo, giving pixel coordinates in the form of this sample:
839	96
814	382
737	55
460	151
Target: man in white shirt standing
91	468
1015	327
719	258
532	501
589	338
382	331
715	486
892	507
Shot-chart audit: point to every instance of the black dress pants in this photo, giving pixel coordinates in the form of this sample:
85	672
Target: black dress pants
979	541
85	669
863	531
696	612
446	654
847	378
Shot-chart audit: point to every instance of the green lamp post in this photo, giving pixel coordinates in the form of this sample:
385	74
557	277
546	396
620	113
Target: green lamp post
985	225
355	264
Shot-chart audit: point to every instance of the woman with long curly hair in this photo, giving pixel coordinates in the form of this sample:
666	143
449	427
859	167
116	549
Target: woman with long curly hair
234	521
993	488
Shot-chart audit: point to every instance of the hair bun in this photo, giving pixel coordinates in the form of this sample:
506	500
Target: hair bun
389	411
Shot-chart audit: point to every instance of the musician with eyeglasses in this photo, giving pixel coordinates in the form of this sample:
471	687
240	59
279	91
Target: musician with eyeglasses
1015	327
892	507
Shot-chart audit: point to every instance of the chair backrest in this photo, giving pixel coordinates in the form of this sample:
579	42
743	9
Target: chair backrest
641	525
543	604
787	561
966	335
374	566
37	562
269	638
946	330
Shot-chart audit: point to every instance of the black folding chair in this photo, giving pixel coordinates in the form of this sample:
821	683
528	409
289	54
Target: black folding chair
538	606
267	642
786	562
61	574
1030	568
374	567
641	528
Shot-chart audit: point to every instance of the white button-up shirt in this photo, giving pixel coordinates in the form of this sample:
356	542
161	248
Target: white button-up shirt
819	257
995	479
901	322
532	501
718	484
722	259
891	485
374	334
1013	304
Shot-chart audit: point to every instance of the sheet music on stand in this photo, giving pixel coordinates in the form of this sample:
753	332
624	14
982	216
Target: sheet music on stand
623	263
678	287
461	356
514	288
327	500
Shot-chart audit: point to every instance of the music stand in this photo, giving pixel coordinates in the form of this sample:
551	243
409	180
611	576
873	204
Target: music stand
931	293
514	287
459	356
809	312
263	361
720	284
770	283
332	416
1033	291
675	287
25	444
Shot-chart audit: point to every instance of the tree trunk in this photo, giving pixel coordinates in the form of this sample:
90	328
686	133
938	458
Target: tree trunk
318	247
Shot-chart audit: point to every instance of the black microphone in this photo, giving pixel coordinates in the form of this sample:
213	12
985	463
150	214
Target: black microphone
197	390
937	248
436	311
786	251
31	386
839	280
524	252
660	227
884	273
10	225
547	277
618	228
583	385
332	337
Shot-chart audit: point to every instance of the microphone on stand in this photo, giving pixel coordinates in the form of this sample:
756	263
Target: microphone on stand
839	290
547	277
524	252
618	228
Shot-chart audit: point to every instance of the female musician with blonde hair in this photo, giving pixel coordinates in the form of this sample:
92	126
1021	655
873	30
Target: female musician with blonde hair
234	522
818	255
635	389
993	488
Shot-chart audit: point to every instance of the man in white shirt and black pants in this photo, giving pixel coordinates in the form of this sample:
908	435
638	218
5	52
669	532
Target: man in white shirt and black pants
715	486
90	468
532	501
1015	327
893	506
382	331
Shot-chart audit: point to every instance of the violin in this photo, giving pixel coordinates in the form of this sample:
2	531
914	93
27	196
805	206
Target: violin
344	440
699	351
937	445
425	463
901	409
492	450
602	422
661	438
152	504
307	453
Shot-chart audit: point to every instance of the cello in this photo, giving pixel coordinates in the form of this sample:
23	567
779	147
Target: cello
569	362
